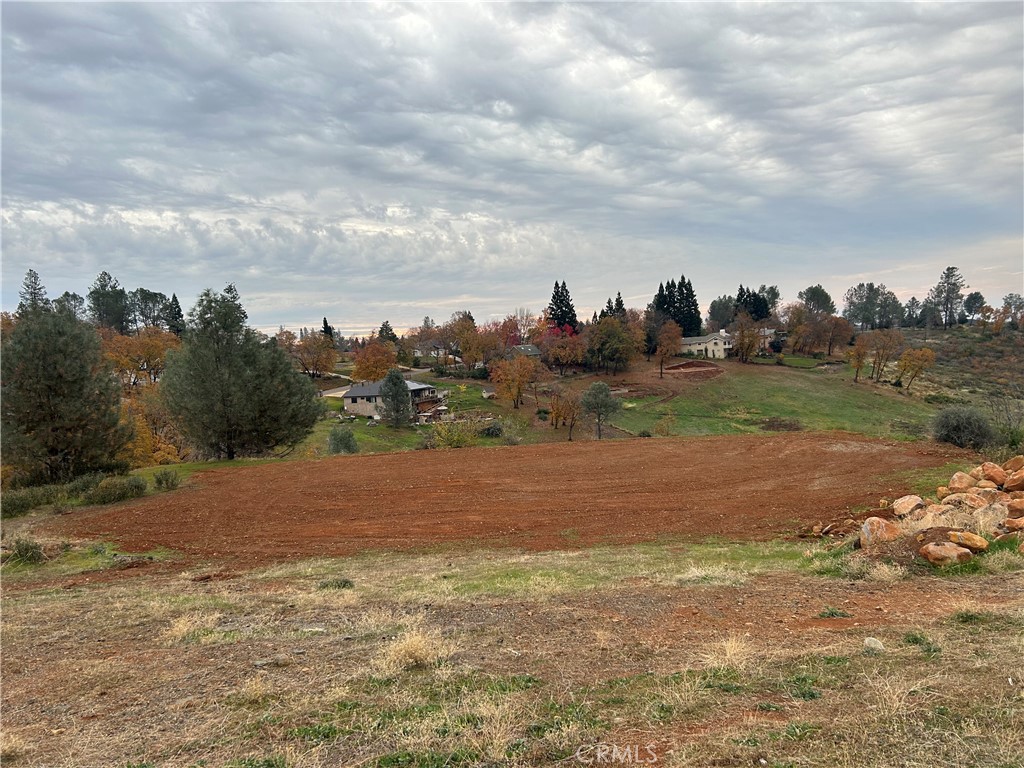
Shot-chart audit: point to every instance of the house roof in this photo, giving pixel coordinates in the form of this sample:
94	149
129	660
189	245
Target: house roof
527	349
372	388
706	339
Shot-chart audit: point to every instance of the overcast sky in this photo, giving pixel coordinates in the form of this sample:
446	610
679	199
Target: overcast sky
370	162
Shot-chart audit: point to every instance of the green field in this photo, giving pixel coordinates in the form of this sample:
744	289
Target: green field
744	396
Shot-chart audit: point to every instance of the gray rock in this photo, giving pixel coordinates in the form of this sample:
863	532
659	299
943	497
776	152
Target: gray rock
873	645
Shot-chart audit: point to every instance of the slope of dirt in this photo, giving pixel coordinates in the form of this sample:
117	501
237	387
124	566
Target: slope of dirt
549	496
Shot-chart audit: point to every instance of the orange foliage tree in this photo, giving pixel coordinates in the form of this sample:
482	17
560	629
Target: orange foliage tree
374	361
512	377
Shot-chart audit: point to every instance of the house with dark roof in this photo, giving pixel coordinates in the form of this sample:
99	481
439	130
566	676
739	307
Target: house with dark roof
526	350
363	399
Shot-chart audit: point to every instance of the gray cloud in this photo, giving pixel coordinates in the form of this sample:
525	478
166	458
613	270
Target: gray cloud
366	161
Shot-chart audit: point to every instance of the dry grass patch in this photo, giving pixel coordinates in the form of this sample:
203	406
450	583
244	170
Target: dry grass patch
413	649
13	747
193	627
715	575
735	652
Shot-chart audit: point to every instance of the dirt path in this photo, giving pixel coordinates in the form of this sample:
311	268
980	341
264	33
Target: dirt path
549	496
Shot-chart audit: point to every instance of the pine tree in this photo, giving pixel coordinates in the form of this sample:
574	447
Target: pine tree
232	392
174	319
395	407
561	312
620	306
386	333
328	329
948	295
108	303
60	400
32	294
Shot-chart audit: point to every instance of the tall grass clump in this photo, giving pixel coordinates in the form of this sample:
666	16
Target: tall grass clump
20	501
166	479
342	440
114	489
964	426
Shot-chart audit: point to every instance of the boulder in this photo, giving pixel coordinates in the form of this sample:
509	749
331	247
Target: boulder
1014	524
1016	494
988	518
976	473
904	505
991	495
944	553
971	541
1014	464
1014	482
873	645
1015	507
878	531
985	485
942	492
993	473
961	483
966	500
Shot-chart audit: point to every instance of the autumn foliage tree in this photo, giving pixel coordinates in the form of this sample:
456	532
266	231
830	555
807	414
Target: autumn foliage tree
913	363
885	345
858	355
566	408
315	354
512	377
670	340
374	361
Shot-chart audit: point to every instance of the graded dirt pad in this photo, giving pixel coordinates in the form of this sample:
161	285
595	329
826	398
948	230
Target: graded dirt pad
539	497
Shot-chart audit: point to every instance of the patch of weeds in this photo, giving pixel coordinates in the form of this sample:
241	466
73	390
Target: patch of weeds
725	679
513	684
798	731
559	717
928	648
427	759
459	725
393	720
834	613
662	711
274	761
749	741
114	489
338	583
801	686
317	733
768	706
27	551
835	661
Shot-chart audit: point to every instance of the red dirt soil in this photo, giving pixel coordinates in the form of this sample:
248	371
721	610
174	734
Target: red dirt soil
550	496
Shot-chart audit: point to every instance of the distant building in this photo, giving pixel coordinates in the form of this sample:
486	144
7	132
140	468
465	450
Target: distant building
714	345
526	350
363	399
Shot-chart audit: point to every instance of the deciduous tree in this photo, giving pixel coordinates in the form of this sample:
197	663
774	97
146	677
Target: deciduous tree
858	355
512	377
913	363
599	402
566	408
373	361
670	340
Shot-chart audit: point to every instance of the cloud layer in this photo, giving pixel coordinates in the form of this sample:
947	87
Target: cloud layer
388	161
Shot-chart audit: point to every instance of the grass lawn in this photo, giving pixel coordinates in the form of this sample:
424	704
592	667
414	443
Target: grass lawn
746	395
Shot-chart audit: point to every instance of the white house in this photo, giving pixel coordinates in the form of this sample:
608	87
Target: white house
364	398
714	345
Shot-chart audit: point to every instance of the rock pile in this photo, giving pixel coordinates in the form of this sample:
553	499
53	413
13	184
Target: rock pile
974	507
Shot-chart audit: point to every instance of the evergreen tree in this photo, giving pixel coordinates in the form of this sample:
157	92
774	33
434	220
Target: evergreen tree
771	296
620	306
687	315
173	317
231	391
395	407
722	311
32	294
948	295
386	333
327	330
108	303
70	303
817	300
912	310
145	308
60	400
599	401
753	303
561	312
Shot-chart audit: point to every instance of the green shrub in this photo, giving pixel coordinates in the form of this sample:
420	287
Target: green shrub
166	480
452	434
27	551
645	433
20	501
964	426
114	489
342	440
492	429
336	583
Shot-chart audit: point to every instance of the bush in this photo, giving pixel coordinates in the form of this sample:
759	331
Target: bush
543	413
337	583
479	373
19	501
452	434
645	433
964	426
166	480
493	429
342	440
27	551
114	489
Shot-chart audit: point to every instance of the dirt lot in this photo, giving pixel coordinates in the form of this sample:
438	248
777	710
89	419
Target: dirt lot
552	496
